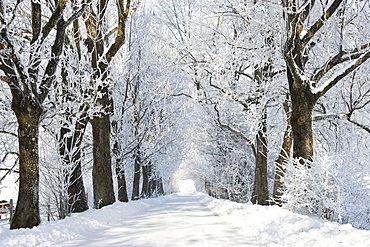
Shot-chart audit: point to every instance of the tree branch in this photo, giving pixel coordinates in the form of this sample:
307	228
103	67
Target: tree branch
305	10
341	57
78	13
54	19
181	94
123	14
238	133
362	59
364	127
244	74
320	22
8	133
9	170
330	116
36	21
2	20
57	49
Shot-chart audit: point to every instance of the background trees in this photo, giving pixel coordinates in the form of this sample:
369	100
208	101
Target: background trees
149	111
234	69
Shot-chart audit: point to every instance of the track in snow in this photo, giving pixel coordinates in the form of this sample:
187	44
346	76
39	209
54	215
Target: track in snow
174	220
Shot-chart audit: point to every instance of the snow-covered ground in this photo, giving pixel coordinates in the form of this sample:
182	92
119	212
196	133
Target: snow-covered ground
191	219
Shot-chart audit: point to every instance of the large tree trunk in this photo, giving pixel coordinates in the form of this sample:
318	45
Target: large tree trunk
102	52
303	102
102	169
30	87
27	214
260	193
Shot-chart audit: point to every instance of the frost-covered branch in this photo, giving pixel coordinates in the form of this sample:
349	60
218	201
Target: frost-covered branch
341	57
53	20
225	126
181	94
78	13
320	22
123	15
340	75
362	126
57	48
341	116
9	170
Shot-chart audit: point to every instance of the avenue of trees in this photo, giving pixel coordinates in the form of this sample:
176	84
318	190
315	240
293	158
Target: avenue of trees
264	101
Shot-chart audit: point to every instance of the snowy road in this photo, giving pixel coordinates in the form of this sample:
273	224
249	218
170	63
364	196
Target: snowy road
184	220
176	220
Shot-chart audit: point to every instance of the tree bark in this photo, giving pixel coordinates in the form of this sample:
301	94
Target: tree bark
70	151
283	156
136	182
120	169
102	169
303	102
121	182
260	193
27	213
145	190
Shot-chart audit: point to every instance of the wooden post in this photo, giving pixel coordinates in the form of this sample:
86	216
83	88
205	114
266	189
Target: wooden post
11	210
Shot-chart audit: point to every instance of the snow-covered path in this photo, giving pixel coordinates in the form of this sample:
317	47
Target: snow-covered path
175	220
186	220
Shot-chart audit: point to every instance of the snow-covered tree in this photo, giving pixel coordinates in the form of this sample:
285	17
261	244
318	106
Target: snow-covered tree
324	44
232	58
104	33
32	38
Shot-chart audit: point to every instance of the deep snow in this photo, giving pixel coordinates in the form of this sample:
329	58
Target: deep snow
192	219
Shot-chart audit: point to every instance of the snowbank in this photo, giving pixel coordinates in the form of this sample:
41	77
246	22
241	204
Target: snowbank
274	226
81	224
